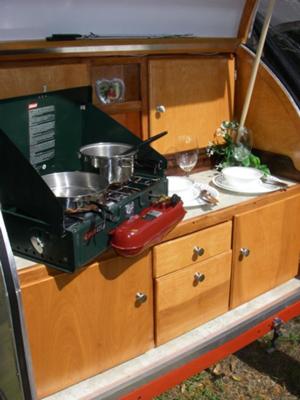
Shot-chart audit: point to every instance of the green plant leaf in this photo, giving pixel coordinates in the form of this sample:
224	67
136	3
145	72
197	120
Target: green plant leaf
246	162
264	168
254	160
225	151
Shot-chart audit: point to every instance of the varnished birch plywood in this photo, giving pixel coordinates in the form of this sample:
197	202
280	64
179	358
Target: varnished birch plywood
271	233
81	324
178	253
197	94
247	19
26	80
182	304
272	117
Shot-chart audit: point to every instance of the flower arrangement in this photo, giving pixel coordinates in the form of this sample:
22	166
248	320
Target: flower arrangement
226	152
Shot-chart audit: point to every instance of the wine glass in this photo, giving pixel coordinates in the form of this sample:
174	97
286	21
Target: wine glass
187	157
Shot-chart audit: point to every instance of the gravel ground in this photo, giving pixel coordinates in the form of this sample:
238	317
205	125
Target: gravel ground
252	373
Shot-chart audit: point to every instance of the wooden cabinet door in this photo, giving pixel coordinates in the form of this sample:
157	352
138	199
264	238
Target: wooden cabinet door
197	95
84	323
271	234
22	81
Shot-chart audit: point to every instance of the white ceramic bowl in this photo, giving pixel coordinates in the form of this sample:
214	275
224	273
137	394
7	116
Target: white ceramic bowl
241	176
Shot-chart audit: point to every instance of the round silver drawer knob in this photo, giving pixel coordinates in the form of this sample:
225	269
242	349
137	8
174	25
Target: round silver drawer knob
199	277
198	250
161	108
244	252
140	297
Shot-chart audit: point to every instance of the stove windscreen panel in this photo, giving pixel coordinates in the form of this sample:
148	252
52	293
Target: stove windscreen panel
50	128
46	128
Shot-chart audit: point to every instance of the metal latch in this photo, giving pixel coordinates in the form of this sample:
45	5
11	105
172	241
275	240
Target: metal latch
277	324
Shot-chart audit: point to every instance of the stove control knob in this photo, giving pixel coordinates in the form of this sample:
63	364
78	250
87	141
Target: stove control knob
140	297
38	244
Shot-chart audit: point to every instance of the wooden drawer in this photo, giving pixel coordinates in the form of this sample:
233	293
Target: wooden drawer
182	303
179	253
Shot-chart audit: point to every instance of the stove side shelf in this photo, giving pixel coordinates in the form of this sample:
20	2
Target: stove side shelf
22	188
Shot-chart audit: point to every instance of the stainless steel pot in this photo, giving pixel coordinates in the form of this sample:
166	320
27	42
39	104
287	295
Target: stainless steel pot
108	160
76	189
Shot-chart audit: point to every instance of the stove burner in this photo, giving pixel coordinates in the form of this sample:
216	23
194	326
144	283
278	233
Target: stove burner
141	180
118	192
125	190
114	186
115	194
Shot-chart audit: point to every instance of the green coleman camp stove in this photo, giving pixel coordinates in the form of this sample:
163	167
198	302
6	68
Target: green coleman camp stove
41	134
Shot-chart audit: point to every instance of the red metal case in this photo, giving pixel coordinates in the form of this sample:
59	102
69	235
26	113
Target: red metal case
146	229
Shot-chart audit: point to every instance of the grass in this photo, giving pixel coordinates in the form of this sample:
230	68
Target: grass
252	373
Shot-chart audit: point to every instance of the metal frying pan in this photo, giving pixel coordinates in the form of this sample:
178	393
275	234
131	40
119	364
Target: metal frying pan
75	189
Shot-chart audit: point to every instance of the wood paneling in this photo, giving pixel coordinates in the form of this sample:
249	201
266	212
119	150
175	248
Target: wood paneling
197	95
246	20
131	120
178	253
21	81
84	323
145	99
272	117
272	235
183	304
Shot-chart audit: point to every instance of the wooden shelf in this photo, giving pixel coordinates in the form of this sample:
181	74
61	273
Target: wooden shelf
118	108
37	49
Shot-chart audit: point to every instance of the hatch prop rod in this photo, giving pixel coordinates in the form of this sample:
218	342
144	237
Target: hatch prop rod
254	71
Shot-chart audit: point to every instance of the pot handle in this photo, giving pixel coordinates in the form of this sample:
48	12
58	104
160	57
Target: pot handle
137	147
